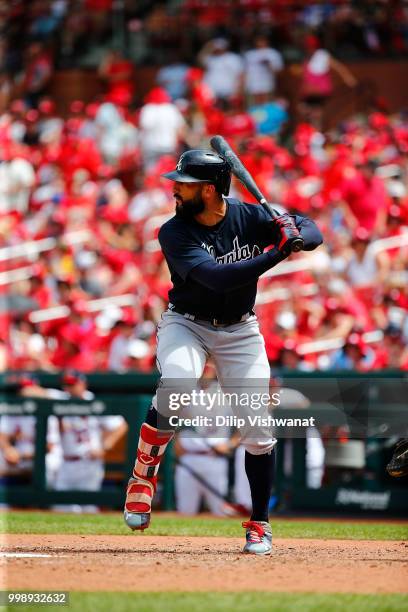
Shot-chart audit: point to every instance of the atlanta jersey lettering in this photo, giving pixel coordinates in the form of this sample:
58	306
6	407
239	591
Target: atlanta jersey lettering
187	244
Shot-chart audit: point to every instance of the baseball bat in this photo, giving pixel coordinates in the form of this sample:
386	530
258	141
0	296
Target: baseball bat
221	146
236	508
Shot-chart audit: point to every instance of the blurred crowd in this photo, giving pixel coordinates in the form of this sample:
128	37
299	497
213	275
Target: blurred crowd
73	29
83	282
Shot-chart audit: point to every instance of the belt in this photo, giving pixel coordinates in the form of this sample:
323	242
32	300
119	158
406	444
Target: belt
215	322
208	453
73	458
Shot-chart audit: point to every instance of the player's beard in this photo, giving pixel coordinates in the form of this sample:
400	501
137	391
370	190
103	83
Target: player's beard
188	209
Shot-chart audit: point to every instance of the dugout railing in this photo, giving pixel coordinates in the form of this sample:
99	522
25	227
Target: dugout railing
373	409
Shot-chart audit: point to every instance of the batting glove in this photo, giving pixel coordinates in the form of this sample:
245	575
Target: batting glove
287	233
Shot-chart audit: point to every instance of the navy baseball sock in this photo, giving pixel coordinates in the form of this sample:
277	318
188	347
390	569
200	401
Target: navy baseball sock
157	420
260	470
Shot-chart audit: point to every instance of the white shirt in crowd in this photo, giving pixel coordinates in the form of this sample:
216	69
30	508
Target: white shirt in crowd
145	203
160	126
17	178
363	272
319	63
223	73
261	66
118	353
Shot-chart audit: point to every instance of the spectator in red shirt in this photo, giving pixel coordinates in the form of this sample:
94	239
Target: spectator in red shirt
237	123
39	292
72	352
118	75
198	91
366	197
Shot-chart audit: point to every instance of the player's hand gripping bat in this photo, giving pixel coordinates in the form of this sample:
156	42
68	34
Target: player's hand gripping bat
221	146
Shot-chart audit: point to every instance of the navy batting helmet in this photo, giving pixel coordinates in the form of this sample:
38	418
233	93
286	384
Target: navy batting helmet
202	166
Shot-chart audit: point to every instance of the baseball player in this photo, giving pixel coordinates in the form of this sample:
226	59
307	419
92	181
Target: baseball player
17	433
202	457
214	247
84	440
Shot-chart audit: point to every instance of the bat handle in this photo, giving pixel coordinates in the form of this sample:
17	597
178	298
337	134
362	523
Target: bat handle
297	245
265	205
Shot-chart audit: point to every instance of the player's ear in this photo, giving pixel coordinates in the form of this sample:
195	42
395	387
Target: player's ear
208	189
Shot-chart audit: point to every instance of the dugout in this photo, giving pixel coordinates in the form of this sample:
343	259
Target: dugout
359	417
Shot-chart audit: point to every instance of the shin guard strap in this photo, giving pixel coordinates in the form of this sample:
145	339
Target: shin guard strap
152	445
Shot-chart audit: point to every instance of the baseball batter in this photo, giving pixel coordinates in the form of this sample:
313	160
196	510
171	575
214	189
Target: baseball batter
215	249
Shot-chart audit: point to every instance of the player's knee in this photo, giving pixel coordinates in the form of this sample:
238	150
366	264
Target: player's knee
173	396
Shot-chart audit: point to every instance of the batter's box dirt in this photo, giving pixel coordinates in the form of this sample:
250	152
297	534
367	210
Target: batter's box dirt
146	563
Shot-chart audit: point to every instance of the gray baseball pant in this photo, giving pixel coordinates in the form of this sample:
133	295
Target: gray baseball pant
238	351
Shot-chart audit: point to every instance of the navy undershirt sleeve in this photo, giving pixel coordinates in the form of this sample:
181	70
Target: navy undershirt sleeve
181	252
227	277
310	233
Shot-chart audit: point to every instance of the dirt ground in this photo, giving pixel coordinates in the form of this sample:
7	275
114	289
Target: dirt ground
146	563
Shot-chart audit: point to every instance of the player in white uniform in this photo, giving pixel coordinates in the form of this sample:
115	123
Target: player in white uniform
17	434
205	457
202	457
84	440
17	445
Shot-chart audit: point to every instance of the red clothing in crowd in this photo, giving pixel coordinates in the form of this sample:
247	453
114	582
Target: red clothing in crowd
98	5
82	362
261	167
119	75
238	125
42	295
366	198
208	12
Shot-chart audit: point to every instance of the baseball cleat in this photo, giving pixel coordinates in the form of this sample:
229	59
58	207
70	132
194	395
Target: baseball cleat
138	504
258	538
137	521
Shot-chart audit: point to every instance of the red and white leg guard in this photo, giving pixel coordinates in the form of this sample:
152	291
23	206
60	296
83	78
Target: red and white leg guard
142	485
